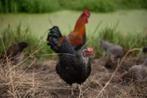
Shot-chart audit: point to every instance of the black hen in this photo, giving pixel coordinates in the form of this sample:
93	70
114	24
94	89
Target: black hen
144	49
16	49
13	51
72	67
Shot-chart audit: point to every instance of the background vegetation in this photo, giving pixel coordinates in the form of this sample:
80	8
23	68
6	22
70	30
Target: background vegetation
10	36
131	40
41	6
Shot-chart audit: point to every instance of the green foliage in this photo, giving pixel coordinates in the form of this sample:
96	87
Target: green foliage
100	5
127	41
38	6
10	36
41	6
31	6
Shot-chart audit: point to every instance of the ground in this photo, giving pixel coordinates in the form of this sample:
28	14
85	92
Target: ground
38	79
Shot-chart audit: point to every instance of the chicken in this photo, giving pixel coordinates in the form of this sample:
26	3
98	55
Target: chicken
13	51
16	49
77	37
144	49
136	73
113	52
73	66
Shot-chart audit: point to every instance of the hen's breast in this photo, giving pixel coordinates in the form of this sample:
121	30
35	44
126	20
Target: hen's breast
72	69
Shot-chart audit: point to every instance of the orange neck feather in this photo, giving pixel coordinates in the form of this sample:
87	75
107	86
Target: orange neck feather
80	26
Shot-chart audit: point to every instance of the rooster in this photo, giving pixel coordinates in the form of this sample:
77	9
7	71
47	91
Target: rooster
74	66
77	37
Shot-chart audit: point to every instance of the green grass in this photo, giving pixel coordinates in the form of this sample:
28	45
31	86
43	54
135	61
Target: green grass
128	41
10	36
41	6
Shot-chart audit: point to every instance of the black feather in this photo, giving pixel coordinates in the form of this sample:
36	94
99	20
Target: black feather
71	67
53	38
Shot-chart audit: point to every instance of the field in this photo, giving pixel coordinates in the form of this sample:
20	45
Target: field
124	21
34	76
42	6
129	26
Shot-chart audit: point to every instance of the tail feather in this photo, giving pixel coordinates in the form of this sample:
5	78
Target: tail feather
57	42
53	38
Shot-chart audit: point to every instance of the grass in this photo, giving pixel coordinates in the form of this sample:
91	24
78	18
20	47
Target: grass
10	36
41	6
127	41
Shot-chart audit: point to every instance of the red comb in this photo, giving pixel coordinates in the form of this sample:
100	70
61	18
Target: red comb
88	52
90	49
86	12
